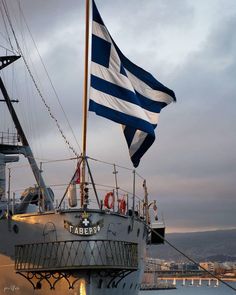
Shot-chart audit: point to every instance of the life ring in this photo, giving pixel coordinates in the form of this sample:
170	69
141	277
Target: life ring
109	200
122	206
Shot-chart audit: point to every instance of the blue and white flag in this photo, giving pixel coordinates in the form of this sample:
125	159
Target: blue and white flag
124	92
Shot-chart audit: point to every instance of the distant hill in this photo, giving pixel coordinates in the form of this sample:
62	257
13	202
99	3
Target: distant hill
218	246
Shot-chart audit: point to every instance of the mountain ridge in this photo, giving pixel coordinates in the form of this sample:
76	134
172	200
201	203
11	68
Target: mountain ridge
213	246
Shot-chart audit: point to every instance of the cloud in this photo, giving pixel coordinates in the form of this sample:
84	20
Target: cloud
191	47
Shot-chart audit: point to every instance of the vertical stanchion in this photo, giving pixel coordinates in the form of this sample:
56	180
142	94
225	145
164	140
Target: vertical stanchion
85	104
8	199
115	172
13	203
133	205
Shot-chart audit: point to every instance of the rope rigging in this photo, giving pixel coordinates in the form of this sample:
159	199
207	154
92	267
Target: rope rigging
118	166
7	39
189	258
48	76
20	51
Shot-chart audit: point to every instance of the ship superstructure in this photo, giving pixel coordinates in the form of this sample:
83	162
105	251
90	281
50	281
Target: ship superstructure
96	249
100	250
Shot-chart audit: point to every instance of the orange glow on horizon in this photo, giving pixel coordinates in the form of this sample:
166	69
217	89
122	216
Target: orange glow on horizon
170	230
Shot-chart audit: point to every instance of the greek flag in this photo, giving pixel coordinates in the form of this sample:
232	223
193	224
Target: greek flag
123	92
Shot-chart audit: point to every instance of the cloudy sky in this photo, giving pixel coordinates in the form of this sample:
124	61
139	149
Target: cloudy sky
190	46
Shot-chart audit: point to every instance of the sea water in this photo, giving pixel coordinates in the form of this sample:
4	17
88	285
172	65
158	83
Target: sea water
194	290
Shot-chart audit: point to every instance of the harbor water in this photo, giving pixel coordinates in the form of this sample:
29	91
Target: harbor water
194	290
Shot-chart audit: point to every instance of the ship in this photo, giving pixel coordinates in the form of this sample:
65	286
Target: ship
92	249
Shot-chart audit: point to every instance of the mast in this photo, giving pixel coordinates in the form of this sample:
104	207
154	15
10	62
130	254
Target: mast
26	147
85	105
147	217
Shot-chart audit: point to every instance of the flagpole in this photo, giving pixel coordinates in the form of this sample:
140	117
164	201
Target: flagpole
85	102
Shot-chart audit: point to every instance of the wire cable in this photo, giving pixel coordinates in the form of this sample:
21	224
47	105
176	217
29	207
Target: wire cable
118	166
188	257
48	76
5	25
35	83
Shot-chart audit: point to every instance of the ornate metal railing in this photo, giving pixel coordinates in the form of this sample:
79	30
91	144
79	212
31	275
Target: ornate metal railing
72	255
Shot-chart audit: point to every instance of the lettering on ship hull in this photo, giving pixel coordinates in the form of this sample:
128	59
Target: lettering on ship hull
85	227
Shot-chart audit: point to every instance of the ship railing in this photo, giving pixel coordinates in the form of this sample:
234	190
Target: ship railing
75	254
8	138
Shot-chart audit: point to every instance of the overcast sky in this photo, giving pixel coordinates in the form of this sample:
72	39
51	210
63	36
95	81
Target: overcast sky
190	46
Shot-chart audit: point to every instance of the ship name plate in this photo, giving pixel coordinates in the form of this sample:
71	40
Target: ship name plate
85	227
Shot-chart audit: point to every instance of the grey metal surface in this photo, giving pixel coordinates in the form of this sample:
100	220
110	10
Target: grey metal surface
3	160
27	149
110	261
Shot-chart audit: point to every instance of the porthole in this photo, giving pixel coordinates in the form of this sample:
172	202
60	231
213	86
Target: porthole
15	228
138	232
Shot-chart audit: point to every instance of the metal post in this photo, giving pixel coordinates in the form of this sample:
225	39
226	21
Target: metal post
113	200
133	206
13	203
147	217
115	172
85	103
93	184
40	192
8	192
143	208
8	200
127	197
27	150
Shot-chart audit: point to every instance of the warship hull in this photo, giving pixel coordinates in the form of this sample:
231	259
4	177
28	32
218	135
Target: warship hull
99	251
